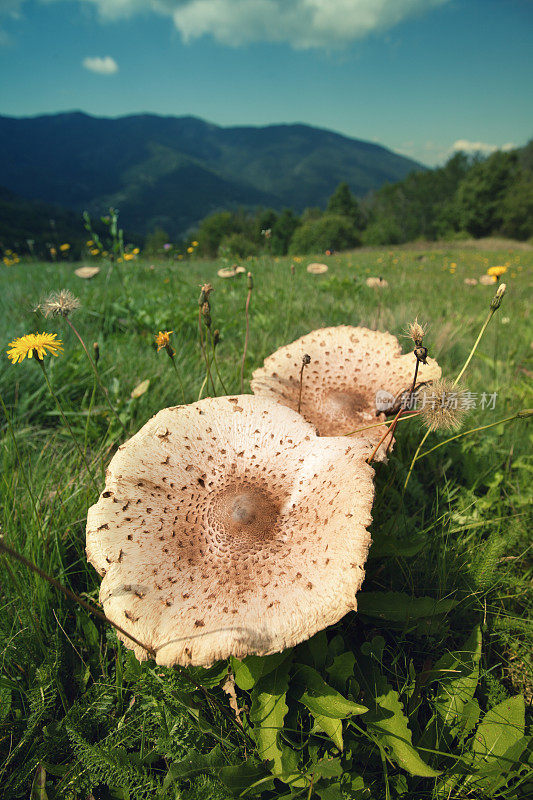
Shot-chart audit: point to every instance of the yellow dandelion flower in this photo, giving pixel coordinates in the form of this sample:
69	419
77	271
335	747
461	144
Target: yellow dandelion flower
90	243
105	253
496	272
194	244
180	256
163	339
42	343
136	251
128	256
190	250
64	247
95	251
53	251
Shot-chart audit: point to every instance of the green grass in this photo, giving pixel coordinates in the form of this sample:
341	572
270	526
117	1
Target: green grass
78	714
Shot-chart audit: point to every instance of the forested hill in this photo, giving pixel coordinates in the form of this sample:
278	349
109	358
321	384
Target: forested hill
171	172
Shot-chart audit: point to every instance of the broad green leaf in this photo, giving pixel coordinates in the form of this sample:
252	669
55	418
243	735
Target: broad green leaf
291	773
501	728
388	721
400	607
268	712
331	792
331	727
321	699
249	775
327	768
248	671
341	670
211	676
460	675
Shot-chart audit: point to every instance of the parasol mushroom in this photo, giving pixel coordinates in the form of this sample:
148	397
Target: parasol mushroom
227	527
86	272
377	283
349	367
226	272
317	269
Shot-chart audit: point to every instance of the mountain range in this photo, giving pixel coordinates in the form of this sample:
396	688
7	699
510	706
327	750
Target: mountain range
170	172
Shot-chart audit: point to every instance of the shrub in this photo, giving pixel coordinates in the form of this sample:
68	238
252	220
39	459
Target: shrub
329	232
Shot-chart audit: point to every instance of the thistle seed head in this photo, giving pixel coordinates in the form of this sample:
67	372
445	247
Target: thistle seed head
416	332
443	405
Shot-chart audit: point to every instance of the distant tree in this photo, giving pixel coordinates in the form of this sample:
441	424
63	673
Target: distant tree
517	209
331	231
343	202
212	230
237	245
283	231
480	195
155	240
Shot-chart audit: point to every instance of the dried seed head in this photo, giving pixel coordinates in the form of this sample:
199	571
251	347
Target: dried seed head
442	405
206	314
306	359
497	299
59	304
96	352
416	332
525	413
249	281
216	337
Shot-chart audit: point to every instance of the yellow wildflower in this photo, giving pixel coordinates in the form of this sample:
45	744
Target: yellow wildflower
194	244
95	251
496	272
128	256
190	250
136	251
40	342
163	339
64	247
90	243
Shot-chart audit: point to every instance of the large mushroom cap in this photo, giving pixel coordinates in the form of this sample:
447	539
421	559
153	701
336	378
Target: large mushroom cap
317	269
228	527
349	368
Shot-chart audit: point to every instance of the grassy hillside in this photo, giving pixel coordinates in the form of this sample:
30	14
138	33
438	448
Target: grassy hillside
443	665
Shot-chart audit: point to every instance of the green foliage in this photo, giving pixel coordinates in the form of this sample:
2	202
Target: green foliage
329	232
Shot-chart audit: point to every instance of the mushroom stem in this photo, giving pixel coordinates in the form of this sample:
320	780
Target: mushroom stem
250	287
8	551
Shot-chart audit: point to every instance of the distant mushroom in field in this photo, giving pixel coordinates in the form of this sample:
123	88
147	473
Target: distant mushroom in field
227	527
377	283
86	272
240	270
471	281
316	268
349	368
226	272
487	280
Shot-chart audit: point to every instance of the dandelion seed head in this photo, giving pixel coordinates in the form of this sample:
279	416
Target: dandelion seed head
59	304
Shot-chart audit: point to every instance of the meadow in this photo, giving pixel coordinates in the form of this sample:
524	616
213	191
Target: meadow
438	655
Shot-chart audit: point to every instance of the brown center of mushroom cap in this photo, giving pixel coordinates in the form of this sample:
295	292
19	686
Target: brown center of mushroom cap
347	402
245	513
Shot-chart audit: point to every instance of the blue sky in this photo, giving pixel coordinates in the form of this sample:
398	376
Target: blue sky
418	76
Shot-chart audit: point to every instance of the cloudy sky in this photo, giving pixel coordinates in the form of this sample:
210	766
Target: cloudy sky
422	77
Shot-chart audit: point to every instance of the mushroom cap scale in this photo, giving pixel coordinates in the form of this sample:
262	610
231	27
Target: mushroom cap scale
348	367
228	527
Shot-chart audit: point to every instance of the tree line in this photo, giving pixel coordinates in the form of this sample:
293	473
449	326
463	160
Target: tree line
467	197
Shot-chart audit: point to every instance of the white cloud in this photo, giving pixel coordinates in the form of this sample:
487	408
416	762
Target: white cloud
465	146
103	66
300	23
